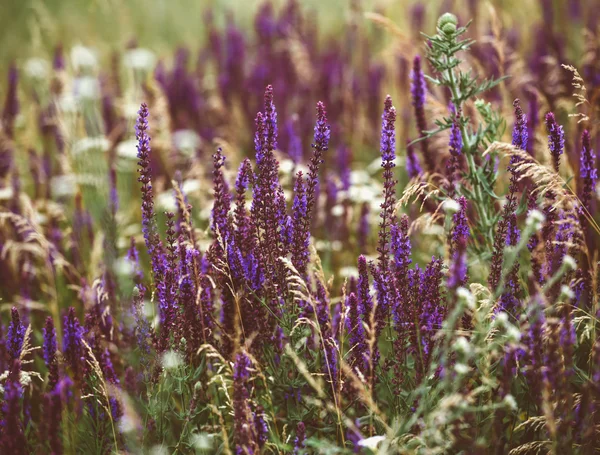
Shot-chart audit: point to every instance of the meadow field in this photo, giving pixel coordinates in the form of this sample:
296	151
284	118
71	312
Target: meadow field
299	227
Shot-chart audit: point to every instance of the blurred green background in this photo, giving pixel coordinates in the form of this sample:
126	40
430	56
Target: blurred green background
35	27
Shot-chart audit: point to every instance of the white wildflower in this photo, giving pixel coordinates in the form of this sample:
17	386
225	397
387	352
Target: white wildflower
36	68
83	58
140	59
451	206
171	360
372	442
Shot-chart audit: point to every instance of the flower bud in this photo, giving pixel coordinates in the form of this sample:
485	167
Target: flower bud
447	23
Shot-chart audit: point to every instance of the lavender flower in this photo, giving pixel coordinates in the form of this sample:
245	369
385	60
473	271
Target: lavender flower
16	335
265	210
262	429
432	311
222	198
587	171
11	104
134	259
388	156
300	235
365	301
456	144
356	331
12	436
507	231
149	229
556	139
299	442
73	342
320	145
401	249
246	438
418	90
50	352
459	237
413	167
520	131
294	149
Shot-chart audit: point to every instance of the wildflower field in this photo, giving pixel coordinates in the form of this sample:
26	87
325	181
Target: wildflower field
294	227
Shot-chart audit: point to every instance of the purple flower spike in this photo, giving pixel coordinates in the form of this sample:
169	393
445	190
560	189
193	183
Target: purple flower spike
16	335
73	341
320	145
388	155
246	437
356	331
50	352
11	104
222	198
556	139
300	232
456	144
413	167
365	301
299	442
149	229
520	131
459	237
418	90
270	120
12	437
587	170
294	149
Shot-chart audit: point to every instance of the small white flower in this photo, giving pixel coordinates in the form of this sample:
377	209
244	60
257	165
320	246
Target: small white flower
337	210
513	333
372	442
186	141
83	58
6	193
86	88
159	450
286	165
171	360
130	110
535	219
123	267
510	401
127	149
462	345
502	317
139	59
465	295
348	271
566	291
68	103
190	186
359	177
63	185
36	68
166	201
88	144
461	368
203	441
569	262
127	424
451	206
